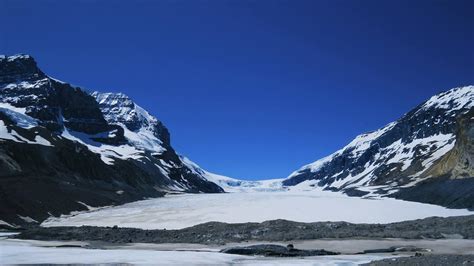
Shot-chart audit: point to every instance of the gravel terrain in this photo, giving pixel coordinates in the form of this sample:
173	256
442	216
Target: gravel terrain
215	233
427	260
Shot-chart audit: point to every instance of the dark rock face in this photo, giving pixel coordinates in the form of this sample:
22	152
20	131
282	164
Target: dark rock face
269	250
407	157
53	103
61	150
19	68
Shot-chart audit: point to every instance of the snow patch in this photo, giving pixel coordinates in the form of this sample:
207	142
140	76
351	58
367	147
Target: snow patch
107	152
18	116
27	219
7	224
452	100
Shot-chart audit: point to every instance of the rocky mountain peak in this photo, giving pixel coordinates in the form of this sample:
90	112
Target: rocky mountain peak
118	108
93	148
427	142
461	98
17	68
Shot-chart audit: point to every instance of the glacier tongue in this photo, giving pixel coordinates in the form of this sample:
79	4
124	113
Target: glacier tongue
236	185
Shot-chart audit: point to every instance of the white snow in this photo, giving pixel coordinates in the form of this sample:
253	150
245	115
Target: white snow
315	166
27	85
119	109
452	100
14	136
398	152
4	134
27	219
357	146
436	146
179	211
144	139
18	115
441	142
236	185
42	141
90	208
363	141
7	224
107	152
16	57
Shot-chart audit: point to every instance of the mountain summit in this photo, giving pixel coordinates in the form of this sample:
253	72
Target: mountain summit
427	155
64	149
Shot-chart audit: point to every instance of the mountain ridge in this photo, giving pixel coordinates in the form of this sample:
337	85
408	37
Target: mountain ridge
405	154
56	139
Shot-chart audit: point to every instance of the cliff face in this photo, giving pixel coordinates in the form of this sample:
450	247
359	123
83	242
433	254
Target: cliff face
63	149
450	181
458	163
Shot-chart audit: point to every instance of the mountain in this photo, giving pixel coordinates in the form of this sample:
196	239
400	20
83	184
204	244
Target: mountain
427	155
63	149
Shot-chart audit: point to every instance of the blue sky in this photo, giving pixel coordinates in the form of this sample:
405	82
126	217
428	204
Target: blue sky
253	89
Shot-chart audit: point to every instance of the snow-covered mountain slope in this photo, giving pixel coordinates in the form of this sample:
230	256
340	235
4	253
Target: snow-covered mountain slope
141	128
85	149
427	155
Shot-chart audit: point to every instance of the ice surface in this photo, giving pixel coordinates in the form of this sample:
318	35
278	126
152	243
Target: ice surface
45	252
15	251
235	185
18	115
180	211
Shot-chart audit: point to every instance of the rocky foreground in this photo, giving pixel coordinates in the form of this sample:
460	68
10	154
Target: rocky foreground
215	233
428	260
